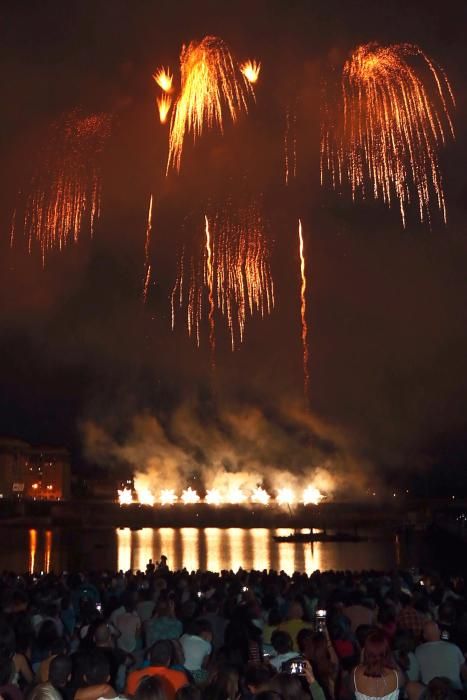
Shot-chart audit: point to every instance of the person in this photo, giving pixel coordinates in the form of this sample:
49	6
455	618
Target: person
153	688
317	648
160	661
117	658
163	625
437	658
409	618
223	685
60	675
282	643
294	622
359	612
217	622
128	625
256	678
197	647
188	692
44	691
96	679
290	687
375	677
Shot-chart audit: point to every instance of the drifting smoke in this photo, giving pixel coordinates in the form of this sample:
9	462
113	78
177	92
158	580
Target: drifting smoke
241	455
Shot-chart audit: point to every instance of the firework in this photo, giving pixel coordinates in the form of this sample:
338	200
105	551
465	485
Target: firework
250	70
235	270
145	496
304	324
285	496
389	129
213	497
189	496
167	497
147	242
236	496
163	105
260	495
312	495
65	191
211	87
164	78
290	147
125	497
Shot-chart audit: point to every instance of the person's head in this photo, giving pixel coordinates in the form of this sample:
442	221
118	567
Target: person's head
102	636
203	629
288	687
188	692
295	611
60	670
431	632
440	689
361	633
404	641
281	641
161	653
376	653
153	688
97	668
305	641
223	685
45	691
257	677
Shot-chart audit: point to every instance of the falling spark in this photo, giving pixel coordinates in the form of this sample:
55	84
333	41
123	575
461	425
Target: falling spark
213	497
164	78
125	497
312	495
387	144
285	496
235	271
167	497
260	495
163	105
147	242
210	285
290	147
65	192
210	88
306	373
189	495
250	70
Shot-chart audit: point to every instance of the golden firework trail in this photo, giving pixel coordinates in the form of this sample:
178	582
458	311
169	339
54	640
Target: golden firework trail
164	79
306	372
163	105
147	243
290	147
395	115
234	270
250	70
211	87
210	285
65	192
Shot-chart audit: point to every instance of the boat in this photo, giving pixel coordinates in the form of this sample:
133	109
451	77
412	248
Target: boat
319	537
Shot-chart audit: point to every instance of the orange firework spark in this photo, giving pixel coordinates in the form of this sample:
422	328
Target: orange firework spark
210	284
303	310
163	105
210	87
164	78
66	188
250	70
235	271
147	266
391	129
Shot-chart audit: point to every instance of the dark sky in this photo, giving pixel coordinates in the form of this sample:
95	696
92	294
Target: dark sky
387	306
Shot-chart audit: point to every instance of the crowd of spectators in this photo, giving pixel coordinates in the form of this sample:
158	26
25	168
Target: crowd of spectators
174	635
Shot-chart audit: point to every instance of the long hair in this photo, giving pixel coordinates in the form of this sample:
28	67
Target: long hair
376	653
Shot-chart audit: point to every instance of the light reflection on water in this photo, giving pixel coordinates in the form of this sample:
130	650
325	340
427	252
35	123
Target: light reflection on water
208	548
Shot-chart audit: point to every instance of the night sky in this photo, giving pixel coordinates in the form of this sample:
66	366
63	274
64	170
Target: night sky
387	306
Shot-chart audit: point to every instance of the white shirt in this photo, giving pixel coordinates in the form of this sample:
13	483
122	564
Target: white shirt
277	661
195	649
128	624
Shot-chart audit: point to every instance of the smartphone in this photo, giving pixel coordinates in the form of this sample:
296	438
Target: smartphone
294	667
200	594
445	635
320	620
244	589
99	607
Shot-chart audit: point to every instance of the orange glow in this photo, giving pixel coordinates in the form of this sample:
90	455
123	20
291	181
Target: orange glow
164	79
303	312
145	497
260	495
312	495
250	70
285	496
35	487
213	497
163	105
47	550
168	497
389	128
147	242
125	497
209	90
189	495
236	496
210	285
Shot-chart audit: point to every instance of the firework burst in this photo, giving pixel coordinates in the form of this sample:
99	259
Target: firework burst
250	70
164	79
65	192
389	129
234	273
211	87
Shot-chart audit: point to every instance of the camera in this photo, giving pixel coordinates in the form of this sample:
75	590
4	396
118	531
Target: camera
320	620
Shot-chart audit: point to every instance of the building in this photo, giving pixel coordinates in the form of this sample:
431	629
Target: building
35	473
